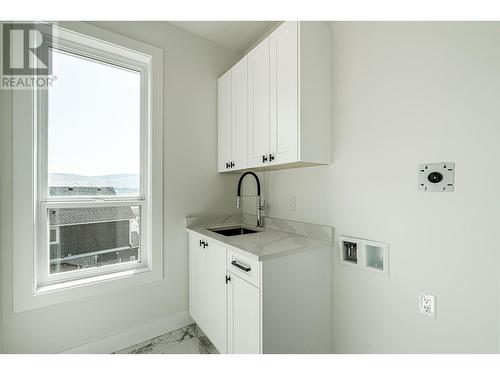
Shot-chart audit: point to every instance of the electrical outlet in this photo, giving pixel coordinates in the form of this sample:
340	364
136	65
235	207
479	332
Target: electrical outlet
291	202
427	305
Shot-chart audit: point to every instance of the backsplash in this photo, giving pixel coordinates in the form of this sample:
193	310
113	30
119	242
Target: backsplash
202	220
320	232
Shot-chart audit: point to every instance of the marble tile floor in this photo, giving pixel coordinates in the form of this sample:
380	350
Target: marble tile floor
186	340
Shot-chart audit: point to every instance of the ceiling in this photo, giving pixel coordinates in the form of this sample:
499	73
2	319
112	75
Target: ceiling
236	35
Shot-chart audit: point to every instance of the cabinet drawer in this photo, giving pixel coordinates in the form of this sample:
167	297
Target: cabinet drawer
245	267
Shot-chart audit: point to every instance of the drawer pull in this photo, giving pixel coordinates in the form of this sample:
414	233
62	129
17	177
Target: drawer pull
241	267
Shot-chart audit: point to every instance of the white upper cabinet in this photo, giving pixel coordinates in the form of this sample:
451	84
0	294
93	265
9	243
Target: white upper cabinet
289	101
284	94
258	105
224	126
239	115
233	118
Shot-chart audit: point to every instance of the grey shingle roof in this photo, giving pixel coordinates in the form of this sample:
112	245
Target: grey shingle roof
65	216
57	191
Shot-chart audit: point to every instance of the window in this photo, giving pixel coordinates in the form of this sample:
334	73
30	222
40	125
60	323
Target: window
92	180
94	237
94	127
96	167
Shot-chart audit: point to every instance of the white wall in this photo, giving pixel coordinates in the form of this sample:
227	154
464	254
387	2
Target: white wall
192	66
5	190
5	195
404	94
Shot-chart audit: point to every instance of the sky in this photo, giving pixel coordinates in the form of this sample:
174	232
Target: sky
94	117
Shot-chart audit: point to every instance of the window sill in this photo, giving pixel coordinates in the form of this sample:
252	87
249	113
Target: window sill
91	280
47	295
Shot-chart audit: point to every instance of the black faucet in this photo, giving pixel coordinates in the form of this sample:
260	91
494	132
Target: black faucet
260	207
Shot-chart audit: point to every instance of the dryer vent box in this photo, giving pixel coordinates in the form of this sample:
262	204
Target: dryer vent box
436	177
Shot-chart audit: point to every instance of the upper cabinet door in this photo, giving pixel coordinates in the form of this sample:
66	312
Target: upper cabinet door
258	105
224	126
284	131
239	113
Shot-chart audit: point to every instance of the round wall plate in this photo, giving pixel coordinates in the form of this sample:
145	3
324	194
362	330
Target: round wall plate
436	177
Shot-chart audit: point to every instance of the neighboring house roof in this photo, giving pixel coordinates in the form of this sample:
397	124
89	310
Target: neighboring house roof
65	216
80	190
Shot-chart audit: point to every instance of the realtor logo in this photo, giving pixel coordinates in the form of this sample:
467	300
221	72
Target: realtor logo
26	49
26	61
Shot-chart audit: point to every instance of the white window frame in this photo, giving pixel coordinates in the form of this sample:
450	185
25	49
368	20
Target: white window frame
35	286
121	58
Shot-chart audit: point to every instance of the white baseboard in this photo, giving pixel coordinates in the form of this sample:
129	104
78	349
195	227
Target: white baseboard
134	336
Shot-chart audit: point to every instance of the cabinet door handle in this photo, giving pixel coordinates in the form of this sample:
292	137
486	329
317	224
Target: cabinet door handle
205	244
227	165
201	243
232	165
228	279
271	157
264	158
240	266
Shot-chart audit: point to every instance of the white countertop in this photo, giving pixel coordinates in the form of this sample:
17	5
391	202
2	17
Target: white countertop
266	244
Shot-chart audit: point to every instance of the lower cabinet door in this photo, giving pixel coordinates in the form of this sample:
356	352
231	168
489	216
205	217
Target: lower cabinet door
207	289
243	317
215	294
196	283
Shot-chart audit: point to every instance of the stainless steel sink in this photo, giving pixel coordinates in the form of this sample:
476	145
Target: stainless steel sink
233	231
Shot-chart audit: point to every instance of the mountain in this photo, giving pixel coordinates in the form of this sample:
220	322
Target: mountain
123	183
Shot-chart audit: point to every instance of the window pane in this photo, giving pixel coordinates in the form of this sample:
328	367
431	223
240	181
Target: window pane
93	128
94	237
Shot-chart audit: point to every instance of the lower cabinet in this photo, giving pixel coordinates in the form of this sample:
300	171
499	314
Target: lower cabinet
223	304
207	289
243	316
247	306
